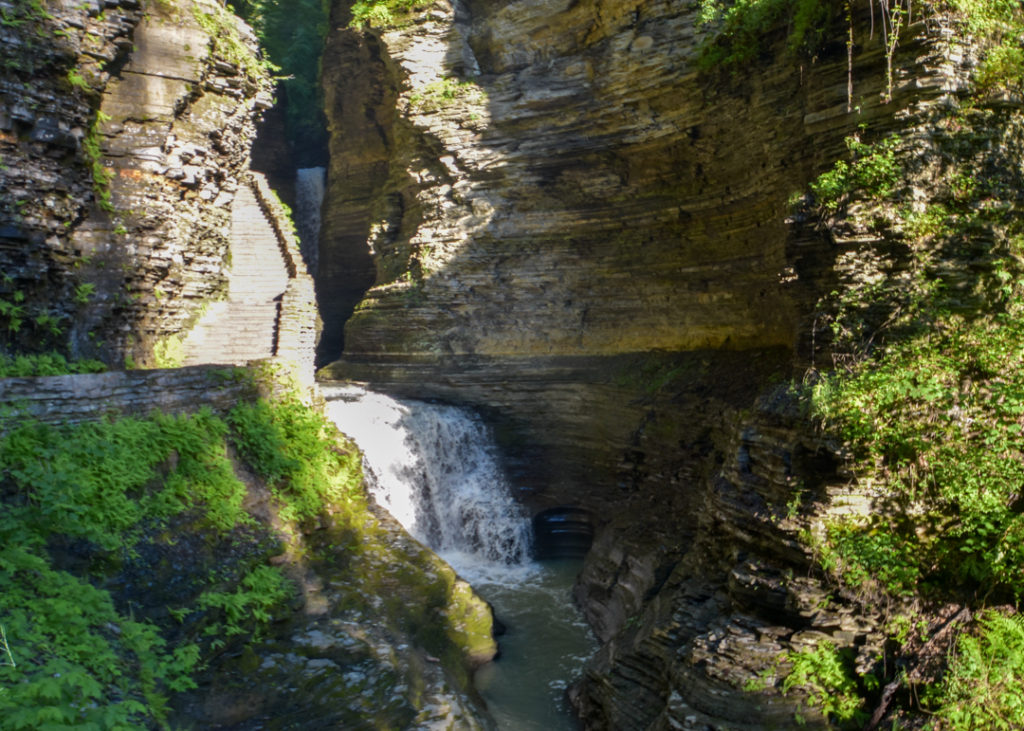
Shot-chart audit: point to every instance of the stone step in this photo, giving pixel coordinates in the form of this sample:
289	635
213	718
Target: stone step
244	327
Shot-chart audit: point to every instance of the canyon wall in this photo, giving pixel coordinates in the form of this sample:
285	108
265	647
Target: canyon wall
549	189
125	128
571	227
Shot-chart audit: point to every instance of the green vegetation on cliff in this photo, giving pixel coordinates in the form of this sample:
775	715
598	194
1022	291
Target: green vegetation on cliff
926	397
135	565
85	508
384	13
291	33
82	504
45	364
736	32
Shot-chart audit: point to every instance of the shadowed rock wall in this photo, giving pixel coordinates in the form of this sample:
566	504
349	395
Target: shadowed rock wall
125	127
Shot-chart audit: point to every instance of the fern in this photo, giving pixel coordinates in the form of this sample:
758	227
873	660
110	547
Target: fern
982	689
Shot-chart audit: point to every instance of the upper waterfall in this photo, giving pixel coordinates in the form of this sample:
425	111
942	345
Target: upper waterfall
309	196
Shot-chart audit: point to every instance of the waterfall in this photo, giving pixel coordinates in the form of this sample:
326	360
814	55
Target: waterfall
434	468
309	195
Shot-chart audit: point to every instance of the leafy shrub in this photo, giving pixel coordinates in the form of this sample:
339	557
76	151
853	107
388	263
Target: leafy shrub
296	450
85	664
740	28
982	688
826	674
873	169
70	656
383	13
937	418
249	605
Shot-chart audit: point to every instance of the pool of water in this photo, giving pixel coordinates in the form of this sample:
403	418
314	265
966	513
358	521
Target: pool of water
543	650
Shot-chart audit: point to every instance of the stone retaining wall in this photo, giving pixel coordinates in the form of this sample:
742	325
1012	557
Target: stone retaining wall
90	397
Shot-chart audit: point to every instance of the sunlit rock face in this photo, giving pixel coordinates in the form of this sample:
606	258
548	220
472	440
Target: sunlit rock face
542	192
124	128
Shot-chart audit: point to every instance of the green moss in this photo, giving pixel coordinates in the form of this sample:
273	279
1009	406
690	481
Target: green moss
227	44
101	176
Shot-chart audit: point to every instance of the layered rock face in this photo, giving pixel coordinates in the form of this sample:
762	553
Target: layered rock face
548	188
125	128
580	234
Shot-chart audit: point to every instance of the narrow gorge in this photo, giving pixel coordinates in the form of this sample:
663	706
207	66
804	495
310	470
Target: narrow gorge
734	287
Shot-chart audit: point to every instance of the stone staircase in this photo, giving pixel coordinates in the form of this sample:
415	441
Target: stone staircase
245	326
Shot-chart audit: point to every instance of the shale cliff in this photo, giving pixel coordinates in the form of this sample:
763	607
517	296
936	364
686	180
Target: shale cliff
126	128
609	249
548	189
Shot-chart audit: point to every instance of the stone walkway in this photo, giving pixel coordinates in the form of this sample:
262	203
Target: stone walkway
244	327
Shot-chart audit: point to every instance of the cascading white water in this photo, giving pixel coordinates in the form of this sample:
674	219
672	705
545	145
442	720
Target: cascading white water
434	469
309	196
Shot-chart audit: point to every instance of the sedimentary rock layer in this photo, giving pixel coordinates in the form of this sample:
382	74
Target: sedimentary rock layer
124	128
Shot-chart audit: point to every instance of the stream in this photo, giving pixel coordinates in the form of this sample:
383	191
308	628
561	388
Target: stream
435	468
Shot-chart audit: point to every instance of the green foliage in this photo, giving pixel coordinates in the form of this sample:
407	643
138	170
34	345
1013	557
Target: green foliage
1001	23
865	555
872	169
87	664
84	292
169	352
45	364
32	22
228	44
77	81
296	450
982	688
383	13
291	33
249	605
740	28
438	94
937	418
101	176
826	674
